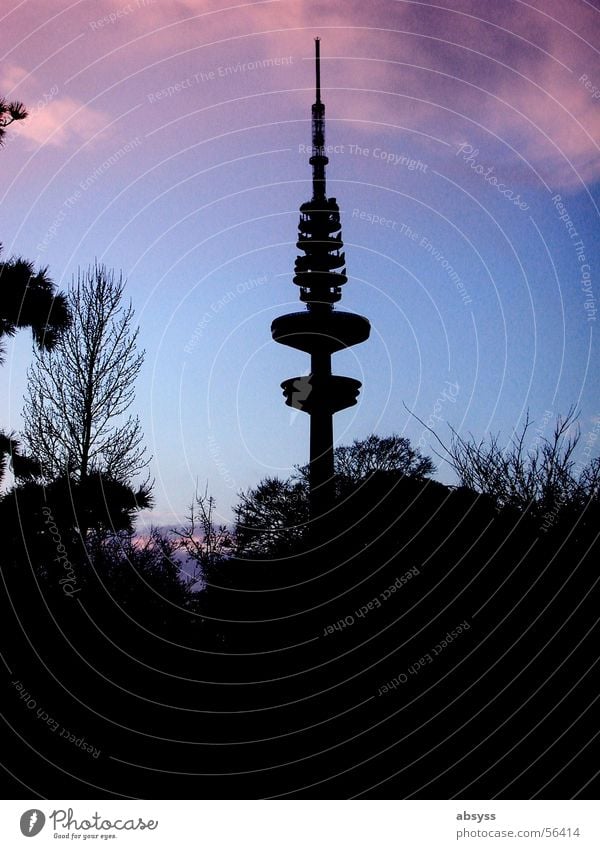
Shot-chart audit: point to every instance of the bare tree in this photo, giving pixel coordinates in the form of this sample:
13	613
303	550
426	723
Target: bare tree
79	393
203	543
538	474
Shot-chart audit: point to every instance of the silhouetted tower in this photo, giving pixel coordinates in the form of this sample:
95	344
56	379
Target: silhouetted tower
320	330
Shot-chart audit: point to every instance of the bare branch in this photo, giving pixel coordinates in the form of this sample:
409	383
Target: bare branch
204	543
542	478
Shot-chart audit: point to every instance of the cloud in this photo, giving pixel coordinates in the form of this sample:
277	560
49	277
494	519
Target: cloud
63	122
503	75
53	118
506	74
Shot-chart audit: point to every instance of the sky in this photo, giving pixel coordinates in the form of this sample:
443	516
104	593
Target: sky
169	140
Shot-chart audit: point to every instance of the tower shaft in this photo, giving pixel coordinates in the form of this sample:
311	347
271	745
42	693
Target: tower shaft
322	481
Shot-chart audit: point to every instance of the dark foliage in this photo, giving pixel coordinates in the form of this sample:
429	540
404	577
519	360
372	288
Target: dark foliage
28	299
437	645
273	518
34	516
22	466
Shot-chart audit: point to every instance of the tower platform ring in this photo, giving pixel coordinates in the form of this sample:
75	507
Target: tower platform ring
313	331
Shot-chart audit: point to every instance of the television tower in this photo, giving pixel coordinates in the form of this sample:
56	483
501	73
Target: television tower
320	330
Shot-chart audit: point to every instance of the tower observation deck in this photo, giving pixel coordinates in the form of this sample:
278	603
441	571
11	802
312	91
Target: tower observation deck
320	330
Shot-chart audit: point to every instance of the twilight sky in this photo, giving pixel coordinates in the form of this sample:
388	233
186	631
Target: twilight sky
168	139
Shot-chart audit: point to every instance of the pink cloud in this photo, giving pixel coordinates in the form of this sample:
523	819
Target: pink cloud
506	75
54	118
507	72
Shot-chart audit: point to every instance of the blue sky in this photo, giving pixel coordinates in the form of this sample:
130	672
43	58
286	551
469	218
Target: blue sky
169	141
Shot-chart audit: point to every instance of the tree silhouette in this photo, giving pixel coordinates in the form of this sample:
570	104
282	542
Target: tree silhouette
79	393
353	463
22	466
539	475
10	112
141	573
273	517
203	543
28	299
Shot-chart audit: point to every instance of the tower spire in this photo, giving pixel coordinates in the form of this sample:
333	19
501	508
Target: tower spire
320	330
318	159
318	68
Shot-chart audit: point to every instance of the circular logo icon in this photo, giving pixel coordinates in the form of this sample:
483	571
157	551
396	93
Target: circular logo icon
32	822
